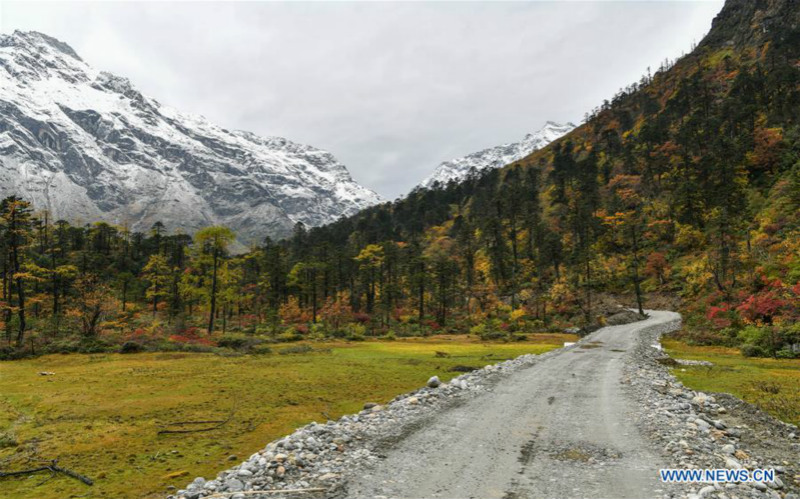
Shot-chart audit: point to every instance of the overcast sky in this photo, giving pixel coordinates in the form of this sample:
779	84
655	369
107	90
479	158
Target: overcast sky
391	89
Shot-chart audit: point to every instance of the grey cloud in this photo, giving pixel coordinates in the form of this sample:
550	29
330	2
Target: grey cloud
391	89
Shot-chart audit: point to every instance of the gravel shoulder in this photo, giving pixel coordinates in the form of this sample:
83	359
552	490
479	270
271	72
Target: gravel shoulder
595	419
706	430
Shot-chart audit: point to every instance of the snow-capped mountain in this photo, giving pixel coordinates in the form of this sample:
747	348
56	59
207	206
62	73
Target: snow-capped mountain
495	157
86	145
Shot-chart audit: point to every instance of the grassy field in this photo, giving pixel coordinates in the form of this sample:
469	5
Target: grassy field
772	384
100	414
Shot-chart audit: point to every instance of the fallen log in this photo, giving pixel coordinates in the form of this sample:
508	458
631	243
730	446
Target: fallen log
54	468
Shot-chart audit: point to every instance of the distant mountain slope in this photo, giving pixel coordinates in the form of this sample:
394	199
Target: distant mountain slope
86	145
686	183
496	157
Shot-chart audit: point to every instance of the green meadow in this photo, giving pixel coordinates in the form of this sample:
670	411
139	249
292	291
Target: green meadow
99	415
771	384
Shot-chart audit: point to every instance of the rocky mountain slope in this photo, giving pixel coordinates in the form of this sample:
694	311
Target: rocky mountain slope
86	145
496	157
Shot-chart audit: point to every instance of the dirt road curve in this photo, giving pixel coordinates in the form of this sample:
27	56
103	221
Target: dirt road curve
561	428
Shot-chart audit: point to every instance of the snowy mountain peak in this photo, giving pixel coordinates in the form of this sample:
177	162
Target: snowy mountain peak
496	157
551	128
87	145
41	41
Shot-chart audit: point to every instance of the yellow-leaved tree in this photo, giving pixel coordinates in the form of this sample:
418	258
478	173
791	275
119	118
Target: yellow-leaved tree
210	249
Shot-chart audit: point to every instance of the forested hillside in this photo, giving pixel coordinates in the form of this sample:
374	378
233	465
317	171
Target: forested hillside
685	184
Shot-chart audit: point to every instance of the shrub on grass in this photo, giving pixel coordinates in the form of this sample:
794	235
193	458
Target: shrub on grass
295	349
753	335
356	332
338	333
94	346
171	346
11	353
261	350
316	332
478	329
488	332
494	335
533	326
262	330
289	335
408	331
63	345
752	351
785	354
235	341
131	347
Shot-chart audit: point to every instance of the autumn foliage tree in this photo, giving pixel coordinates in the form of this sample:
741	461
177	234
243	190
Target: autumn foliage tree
211	246
685	182
91	304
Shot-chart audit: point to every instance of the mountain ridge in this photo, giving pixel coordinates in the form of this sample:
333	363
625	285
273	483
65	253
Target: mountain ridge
499	156
685	182
87	145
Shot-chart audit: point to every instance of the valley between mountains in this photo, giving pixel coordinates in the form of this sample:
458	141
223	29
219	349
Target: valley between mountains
175	295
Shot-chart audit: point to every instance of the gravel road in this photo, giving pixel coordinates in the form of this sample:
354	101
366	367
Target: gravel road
560	428
595	419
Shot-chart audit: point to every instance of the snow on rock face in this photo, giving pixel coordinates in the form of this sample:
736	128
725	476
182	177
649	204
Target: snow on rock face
495	157
86	145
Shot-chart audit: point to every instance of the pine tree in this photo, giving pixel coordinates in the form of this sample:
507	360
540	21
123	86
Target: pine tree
15	215
157	273
212	246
